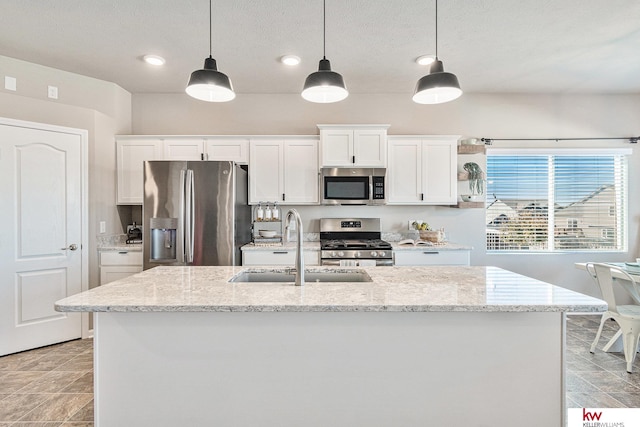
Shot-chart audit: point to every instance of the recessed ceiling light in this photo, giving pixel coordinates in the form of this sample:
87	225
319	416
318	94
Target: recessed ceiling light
425	59
290	60
153	59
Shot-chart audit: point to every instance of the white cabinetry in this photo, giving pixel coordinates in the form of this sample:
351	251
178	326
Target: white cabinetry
284	170
228	148
130	155
278	257
133	150
115	265
183	149
353	145
431	257
422	170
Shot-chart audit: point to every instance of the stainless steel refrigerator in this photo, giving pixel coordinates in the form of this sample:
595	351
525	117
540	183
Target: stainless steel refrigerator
194	213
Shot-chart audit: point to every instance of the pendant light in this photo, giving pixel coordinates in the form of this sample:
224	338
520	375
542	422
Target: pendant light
438	86
324	86
209	84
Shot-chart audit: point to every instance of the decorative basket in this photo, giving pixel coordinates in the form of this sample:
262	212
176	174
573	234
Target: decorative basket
434	236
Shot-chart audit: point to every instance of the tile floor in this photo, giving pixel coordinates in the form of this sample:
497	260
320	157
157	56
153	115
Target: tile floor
48	387
53	386
598	380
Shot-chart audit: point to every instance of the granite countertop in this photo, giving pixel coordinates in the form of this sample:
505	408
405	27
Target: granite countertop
444	246
394	289
121	247
315	246
307	246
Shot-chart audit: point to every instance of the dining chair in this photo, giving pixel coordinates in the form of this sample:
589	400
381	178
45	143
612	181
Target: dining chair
626	316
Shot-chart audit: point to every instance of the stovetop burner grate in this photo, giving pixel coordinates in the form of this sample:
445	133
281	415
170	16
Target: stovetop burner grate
355	244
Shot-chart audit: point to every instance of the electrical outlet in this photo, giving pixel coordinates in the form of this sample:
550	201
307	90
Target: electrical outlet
10	83
52	92
103	227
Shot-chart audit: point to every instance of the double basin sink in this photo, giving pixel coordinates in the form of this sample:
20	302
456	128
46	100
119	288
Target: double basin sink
287	275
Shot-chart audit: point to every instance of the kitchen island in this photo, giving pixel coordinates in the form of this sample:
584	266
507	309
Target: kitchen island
415	346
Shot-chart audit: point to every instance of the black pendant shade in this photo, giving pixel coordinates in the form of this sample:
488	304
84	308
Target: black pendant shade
437	87
209	84
324	86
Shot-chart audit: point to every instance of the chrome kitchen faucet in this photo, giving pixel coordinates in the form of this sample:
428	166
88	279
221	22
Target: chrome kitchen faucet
299	254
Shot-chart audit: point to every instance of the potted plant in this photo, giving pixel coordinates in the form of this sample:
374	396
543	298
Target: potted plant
476	181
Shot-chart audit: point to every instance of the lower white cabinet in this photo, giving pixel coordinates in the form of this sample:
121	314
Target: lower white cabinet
115	265
285	257
431	257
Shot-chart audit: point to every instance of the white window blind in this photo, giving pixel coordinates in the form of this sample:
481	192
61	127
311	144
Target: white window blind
566	200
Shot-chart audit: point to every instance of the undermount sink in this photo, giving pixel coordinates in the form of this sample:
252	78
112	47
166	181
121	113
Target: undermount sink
309	276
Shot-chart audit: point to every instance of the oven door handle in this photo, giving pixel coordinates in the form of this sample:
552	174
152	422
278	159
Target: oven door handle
331	262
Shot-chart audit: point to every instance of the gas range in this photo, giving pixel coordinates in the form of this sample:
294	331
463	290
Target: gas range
353	241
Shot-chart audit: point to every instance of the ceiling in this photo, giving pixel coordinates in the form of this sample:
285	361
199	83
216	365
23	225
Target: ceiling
548	46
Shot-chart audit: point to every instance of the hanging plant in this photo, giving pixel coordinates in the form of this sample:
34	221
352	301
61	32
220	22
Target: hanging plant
476	181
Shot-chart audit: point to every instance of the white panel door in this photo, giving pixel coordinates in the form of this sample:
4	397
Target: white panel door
234	149
404	174
266	171
439	172
301	185
370	148
336	147
183	149
130	157
41	236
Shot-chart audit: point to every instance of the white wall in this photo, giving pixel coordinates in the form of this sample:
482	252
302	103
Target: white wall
102	108
480	115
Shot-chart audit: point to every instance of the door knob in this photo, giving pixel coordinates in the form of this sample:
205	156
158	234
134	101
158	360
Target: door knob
72	247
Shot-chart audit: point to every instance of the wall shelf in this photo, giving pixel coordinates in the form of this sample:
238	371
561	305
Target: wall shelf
469	205
472	149
464	176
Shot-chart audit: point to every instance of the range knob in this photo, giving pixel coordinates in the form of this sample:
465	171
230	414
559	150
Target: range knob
333	254
340	254
358	254
381	253
374	254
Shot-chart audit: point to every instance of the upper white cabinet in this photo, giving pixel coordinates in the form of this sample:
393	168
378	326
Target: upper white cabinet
284	170
422	170
133	150
353	145
183	149
130	155
228	148
207	148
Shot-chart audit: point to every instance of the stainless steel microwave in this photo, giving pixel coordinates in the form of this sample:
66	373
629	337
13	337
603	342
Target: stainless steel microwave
353	186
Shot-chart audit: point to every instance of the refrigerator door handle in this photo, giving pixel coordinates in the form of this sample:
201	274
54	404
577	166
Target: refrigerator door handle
183	219
189	217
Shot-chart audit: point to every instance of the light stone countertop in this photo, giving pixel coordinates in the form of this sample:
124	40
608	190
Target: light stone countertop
307	246
446	246
122	247
393	289
315	246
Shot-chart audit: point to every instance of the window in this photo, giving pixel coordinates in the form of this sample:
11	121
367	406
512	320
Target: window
560	200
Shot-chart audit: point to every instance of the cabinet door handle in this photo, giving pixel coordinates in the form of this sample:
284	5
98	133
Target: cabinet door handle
353	159
280	252
421	196
283	197
123	252
431	253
